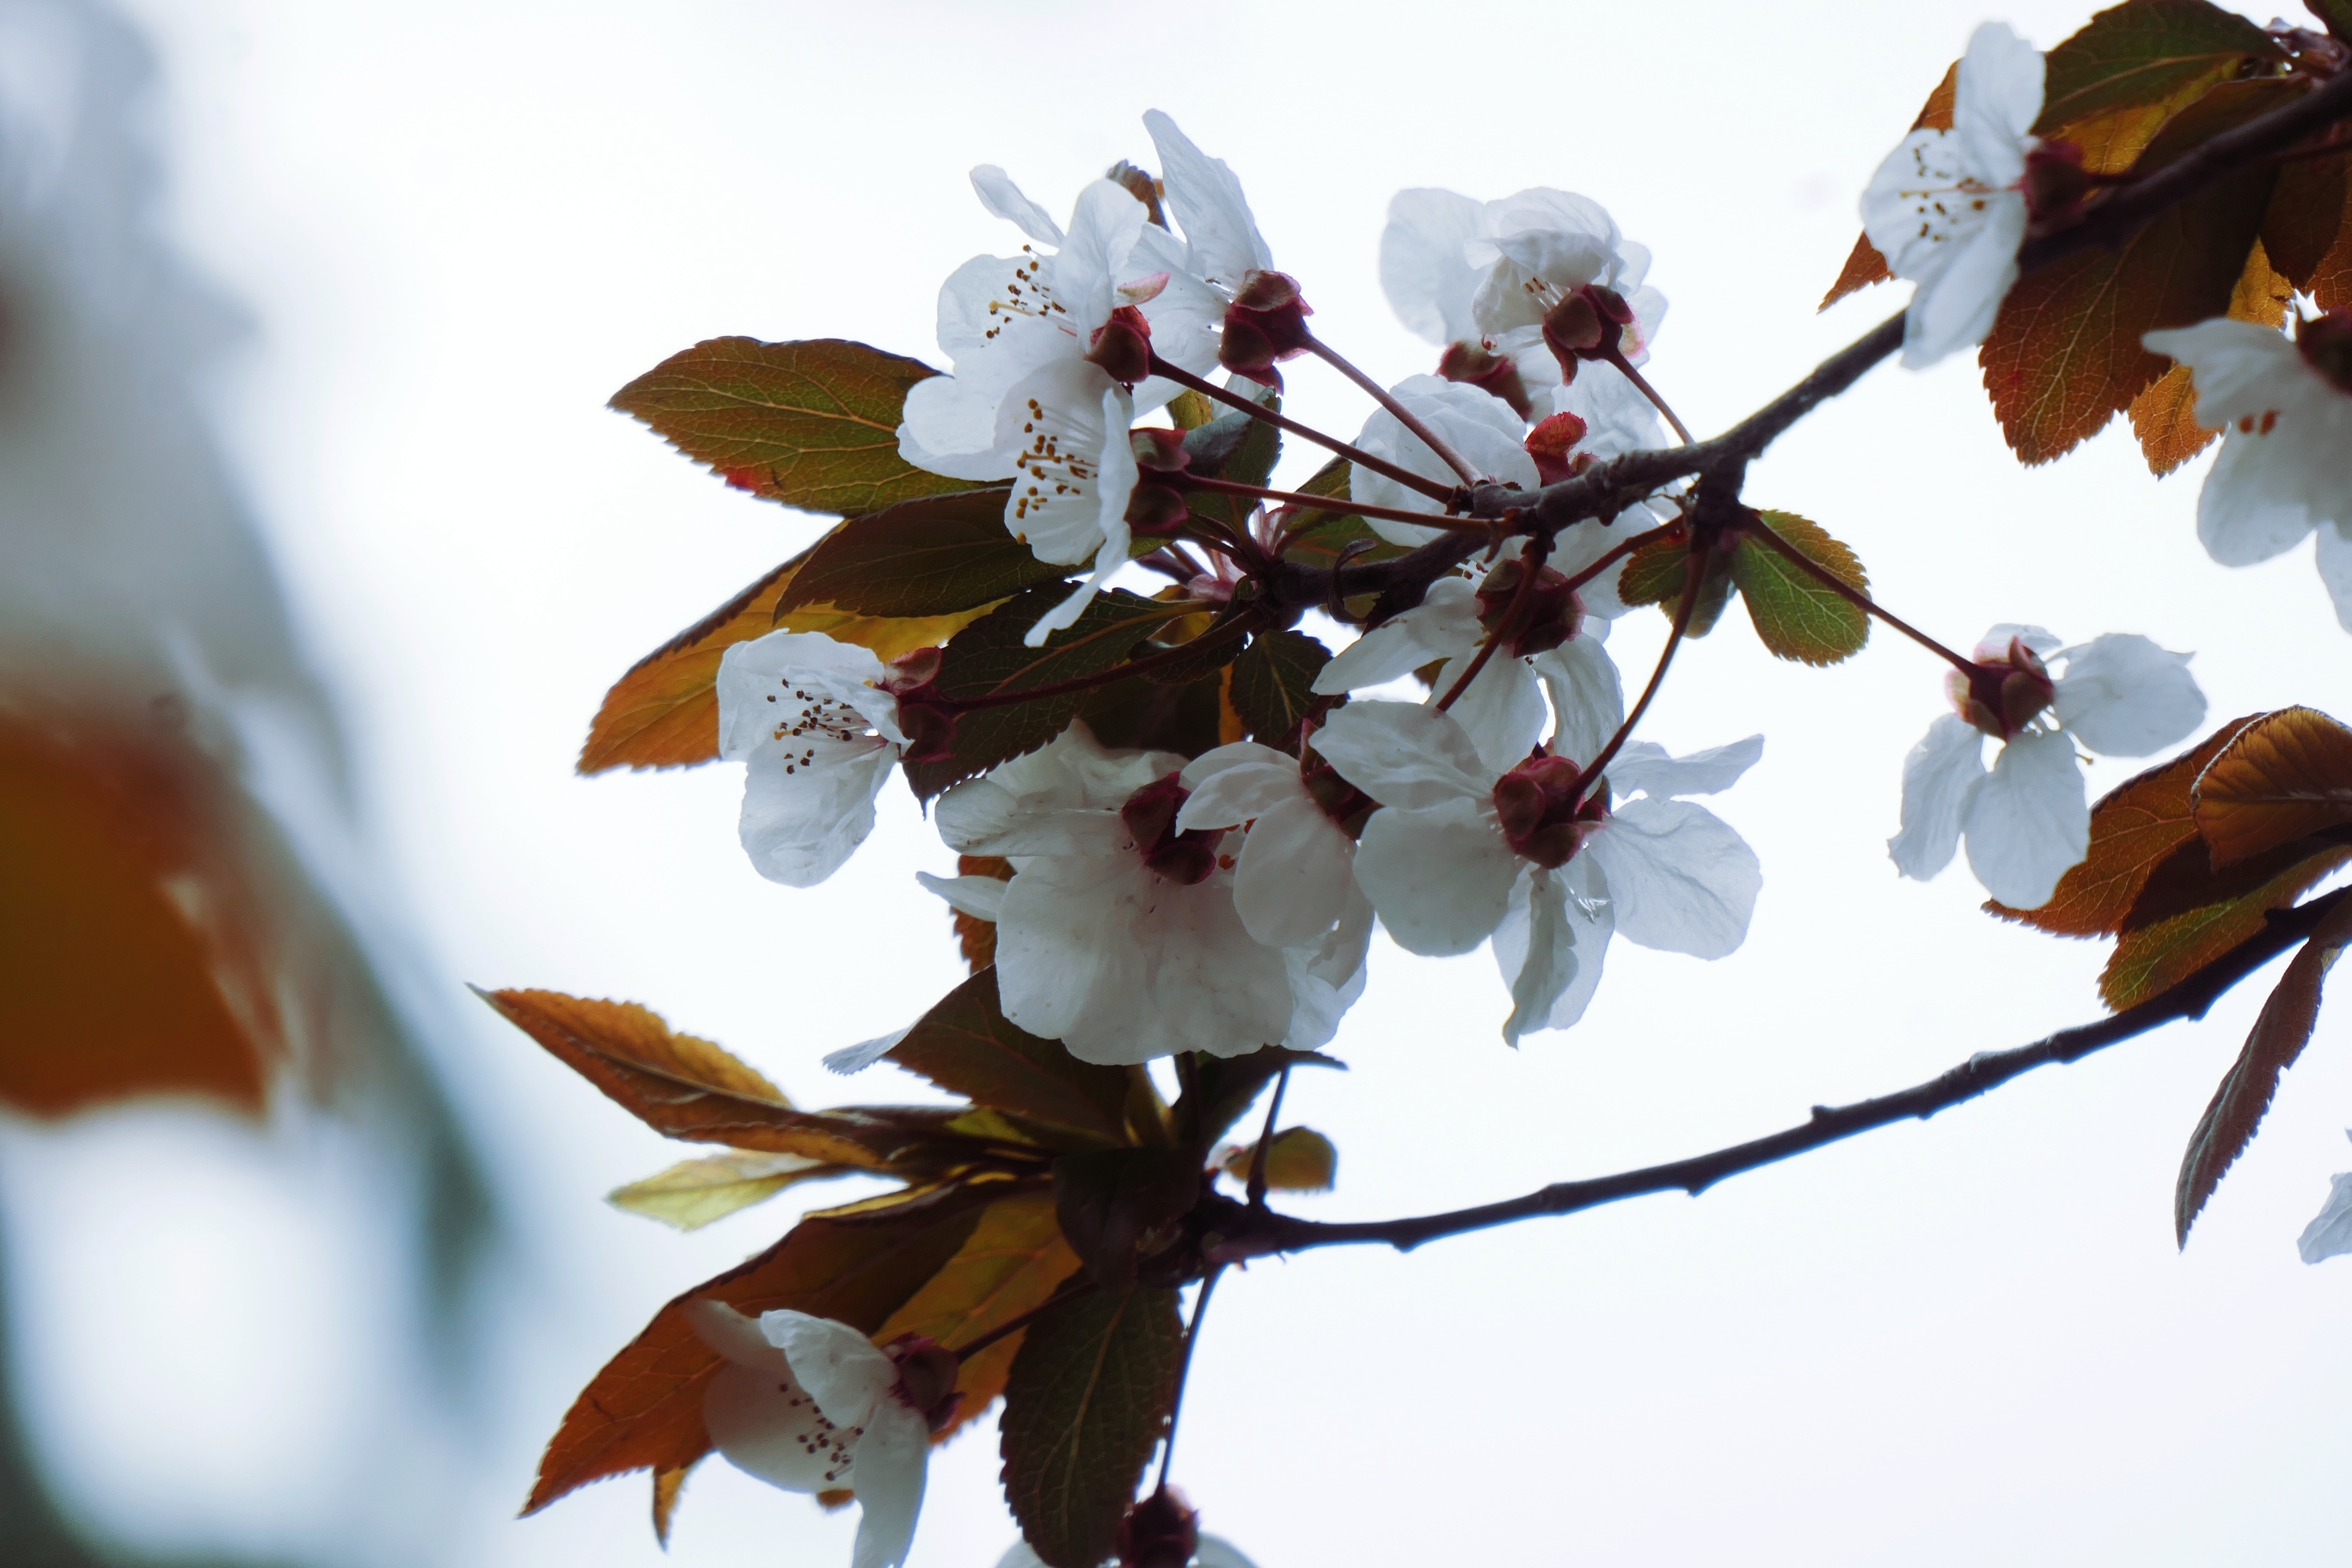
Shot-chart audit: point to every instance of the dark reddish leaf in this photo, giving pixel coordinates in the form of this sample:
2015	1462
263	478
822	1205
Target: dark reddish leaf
2285	777
926	557
2305	230
1273	684
1112	1200
2188	915
966	1046
2279	1035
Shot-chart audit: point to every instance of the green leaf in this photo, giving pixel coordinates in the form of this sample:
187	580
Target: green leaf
1299	1159
1234	446
926	557
2188	914
987	658
1086	1405
694	1193
1113	1204
965	1045
1797	616
1274	684
813	425
1317	537
2280	1033
1653	573
1148	715
2146	56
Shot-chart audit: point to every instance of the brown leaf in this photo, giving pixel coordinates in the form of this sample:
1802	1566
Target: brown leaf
974	936
2286	776
2164	417
1014	1260
2134	827
2279	1035
644	1410
2190	915
2111	86
2305	230
965	1045
667	1485
2065	355
1864	266
664	713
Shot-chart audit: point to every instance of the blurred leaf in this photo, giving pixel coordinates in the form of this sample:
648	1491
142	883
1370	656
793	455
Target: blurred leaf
2134	828
694	1193
644	1410
1150	715
926	557
1796	617
2112	85
1299	1159
1273	685
1863	266
1111	1201
2188	915
2285	777
664	713
1221	643
813	425
668	1486
2280	1033
1086	1405
966	1046
2164	417
988	659
2065	355
1013	1261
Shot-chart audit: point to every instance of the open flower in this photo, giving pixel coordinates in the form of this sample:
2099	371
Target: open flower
812	1405
2284	408
2028	819
1947	208
1502	710
819	735
1461	853
1477	424
1117	935
1067	425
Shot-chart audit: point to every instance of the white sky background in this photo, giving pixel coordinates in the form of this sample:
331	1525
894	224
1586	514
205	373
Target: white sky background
460	228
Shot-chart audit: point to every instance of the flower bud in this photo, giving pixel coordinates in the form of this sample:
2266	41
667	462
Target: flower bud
926	1379
2325	342
1551	445
1163	1531
1266	323
1473	365
1549	614
2055	181
1122	346
1150	815
2005	690
1587	325
1537	806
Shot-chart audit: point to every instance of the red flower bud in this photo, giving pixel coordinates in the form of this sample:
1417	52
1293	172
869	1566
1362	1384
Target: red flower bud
1473	366
2004	690
1549	614
1163	1531
1266	323
926	1379
1587	325
1541	817
1150	815
1549	445
1122	346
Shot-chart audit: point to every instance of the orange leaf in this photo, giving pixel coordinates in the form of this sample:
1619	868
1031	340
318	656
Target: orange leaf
2134	827
667	1485
1014	1260
644	1410
2279	1035
664	713
1864	266
2286	776
976	936
2164	417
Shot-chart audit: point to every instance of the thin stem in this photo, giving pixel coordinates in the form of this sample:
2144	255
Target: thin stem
1240	623
1640	383
1260	1234
1069	1291
1404	417
1621	550
1695	576
1855	596
1404	477
1258	1156
1532	559
1183	481
1184	1371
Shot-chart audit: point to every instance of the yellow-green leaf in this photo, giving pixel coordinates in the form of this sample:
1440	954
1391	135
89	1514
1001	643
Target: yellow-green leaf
1796	615
1299	1159
693	1192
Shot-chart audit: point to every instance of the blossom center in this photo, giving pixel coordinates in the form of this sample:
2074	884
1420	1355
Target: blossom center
1028	294
1537	806
1551	613
2004	689
926	1379
806	719
1150	815
1266	323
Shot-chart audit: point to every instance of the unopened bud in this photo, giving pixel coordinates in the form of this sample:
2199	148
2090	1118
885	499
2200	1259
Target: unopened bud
2004	689
1149	816
1551	445
2055	181
926	1379
2325	342
1122	346
1163	1531
1474	364
1588	324
1266	323
1549	611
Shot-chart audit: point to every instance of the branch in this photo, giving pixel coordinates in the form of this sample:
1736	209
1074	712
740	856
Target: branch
1242	1233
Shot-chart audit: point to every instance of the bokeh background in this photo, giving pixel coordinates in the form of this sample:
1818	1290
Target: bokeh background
386	264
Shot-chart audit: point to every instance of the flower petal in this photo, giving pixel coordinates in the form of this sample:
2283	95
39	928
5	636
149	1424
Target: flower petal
1591	919
1065	427
1681	878
1478	425
981	898
887	1472
1546	965
1216	1551
1502	710
1004	199
788	680
1404	755
839	1366
1235	783
1995	102
1088	268
1206	197
2125	697
2329	1235
1295	874
1644	767
1327	976
1424	272
1444	625
1441	878
2029	820
758	1415
864	1053
806	811
1938	776
1587	695
1960	294
2334	555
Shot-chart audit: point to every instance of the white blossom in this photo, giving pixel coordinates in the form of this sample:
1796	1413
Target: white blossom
1478	425
2329	1235
2028	819
2287	426
1445	874
819	738
810	1405
1066	423
1947	208
1095	948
